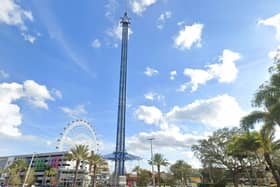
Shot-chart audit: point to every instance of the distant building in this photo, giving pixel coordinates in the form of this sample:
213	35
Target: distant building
65	168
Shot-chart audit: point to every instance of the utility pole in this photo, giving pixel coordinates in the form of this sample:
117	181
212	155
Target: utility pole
28	170
152	160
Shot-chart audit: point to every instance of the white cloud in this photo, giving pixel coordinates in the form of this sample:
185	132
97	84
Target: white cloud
10	119
162	19
150	72
273	21
4	74
12	14
116	32
167	140
96	43
173	74
180	23
56	93
149	114
153	96
172	143
139	6
220	111
173	135
36	94
225	71
10	115
197	77
183	87
29	38
76	112
275	53
110	9
189	36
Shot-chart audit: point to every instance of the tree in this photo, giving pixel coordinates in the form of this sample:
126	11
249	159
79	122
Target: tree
181	171
79	153
143	176
212	175
31	179
269	146
267	98
51	173
137	169
245	148
14	171
14	179
53	181
159	161
213	153
95	162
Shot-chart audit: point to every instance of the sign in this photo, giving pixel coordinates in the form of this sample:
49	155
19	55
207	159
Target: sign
122	180
39	164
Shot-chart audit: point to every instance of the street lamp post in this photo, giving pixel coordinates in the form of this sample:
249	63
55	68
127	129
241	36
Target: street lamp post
28	170
152	160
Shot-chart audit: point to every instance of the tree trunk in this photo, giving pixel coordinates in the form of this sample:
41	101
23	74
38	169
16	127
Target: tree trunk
76	173
94	176
272	168
92	180
234	179
249	177
210	174
158	166
90	173
249	174
254	172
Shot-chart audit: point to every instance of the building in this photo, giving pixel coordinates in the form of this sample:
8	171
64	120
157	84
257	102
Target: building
65	169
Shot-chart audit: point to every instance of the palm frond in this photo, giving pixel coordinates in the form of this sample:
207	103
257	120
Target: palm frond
254	117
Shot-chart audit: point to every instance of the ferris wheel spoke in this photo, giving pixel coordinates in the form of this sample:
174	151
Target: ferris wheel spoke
66	139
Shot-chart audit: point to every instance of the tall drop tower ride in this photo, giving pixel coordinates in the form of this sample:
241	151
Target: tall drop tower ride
120	141
120	155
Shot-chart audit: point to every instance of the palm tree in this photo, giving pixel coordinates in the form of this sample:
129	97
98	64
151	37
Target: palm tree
181	171
266	97
137	169
245	148
79	153
266	137
50	172
14	171
95	161
269	146
31	179
143	176
159	160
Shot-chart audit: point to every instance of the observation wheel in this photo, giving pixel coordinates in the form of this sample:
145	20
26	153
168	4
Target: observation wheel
78	132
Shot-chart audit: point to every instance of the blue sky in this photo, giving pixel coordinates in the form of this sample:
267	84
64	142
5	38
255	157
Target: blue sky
193	67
